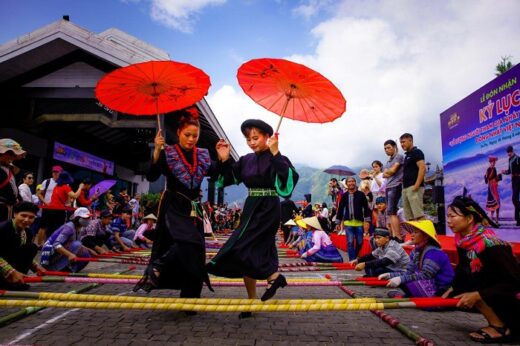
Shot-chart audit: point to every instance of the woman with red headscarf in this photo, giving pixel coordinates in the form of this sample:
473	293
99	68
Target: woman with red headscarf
487	276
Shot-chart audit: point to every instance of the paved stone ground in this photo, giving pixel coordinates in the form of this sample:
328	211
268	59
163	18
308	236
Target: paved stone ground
117	327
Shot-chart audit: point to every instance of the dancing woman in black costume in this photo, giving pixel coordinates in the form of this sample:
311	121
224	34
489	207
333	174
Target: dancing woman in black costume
250	253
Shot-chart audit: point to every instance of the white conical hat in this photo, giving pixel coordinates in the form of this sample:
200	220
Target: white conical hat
313	222
290	223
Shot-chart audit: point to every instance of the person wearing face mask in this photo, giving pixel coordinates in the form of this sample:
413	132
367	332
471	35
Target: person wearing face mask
250	253
178	253
64	246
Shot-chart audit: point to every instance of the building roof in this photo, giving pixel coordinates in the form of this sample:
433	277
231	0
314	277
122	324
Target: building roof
56	68
62	37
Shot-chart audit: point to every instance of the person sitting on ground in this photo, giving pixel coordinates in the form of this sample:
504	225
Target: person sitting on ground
17	252
293	231
122	236
98	233
388	257
144	236
63	246
429	272
299	237
320	248
487	276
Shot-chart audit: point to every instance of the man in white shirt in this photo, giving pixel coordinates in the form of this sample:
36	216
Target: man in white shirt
48	185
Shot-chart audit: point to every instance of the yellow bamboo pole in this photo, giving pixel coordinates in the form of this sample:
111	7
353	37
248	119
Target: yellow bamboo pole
197	301
213	279
208	308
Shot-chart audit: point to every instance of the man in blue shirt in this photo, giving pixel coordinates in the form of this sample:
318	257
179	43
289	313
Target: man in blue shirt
122	236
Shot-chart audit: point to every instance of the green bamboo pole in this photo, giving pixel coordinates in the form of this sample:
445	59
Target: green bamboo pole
393	322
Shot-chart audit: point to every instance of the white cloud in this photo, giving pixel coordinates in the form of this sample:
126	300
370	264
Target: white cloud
310	8
399	64
179	14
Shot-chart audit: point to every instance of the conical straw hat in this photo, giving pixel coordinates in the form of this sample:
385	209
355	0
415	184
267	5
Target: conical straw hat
313	222
150	217
425	226
290	223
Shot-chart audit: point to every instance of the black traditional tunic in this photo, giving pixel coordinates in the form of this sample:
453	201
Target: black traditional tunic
16	251
498	282
179	250
251	249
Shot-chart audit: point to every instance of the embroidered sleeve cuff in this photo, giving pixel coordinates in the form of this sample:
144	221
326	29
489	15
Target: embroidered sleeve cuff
5	268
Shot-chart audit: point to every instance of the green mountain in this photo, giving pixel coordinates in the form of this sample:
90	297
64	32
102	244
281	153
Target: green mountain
312	180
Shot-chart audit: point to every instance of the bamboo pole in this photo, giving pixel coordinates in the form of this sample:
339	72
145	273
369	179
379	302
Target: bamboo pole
395	323
212	308
29	310
197	301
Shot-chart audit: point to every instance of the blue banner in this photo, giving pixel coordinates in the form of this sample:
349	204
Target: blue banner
79	158
475	135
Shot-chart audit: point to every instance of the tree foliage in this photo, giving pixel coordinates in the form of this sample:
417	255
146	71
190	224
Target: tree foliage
504	65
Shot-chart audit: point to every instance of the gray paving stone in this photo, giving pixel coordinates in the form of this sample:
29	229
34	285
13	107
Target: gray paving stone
114	328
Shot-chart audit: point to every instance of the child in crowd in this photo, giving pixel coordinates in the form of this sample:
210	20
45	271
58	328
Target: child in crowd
429	272
388	257
380	212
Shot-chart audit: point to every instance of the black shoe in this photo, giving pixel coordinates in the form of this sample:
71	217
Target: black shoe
275	284
247	314
148	282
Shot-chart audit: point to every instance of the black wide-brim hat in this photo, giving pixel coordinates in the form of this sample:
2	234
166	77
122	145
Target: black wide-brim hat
256	123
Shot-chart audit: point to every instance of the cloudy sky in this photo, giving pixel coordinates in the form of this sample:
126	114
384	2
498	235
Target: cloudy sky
398	63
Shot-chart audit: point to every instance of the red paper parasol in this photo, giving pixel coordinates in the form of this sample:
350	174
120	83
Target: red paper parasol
291	90
152	87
